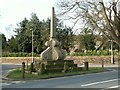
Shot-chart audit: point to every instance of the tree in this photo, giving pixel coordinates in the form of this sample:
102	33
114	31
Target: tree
101	42
23	36
45	32
41	32
65	36
3	41
12	45
36	25
87	41
95	14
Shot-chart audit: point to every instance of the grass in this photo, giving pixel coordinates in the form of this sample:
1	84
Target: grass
17	74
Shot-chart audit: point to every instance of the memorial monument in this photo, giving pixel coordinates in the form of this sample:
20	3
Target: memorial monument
52	59
54	51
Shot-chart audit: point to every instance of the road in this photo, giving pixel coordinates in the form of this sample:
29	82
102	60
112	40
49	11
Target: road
4	69
107	80
7	67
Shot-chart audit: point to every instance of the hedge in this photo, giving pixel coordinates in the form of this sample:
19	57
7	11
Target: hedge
93	53
88	53
18	54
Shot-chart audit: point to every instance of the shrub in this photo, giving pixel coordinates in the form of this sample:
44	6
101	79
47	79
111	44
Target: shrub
18	54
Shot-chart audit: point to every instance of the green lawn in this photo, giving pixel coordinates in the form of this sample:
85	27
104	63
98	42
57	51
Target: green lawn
17	74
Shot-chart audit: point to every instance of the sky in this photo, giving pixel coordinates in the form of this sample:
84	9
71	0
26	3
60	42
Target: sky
14	11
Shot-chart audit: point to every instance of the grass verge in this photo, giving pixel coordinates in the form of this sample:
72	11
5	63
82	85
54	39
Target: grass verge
17	74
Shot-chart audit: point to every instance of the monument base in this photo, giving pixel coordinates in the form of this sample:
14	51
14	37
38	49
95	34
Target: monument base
55	66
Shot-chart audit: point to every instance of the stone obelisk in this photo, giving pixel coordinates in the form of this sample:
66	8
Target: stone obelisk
52	30
54	51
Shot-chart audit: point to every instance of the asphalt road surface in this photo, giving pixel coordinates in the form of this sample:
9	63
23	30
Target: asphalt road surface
106	80
4	69
7	67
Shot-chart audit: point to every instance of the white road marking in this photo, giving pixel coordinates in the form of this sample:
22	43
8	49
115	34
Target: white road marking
114	86
98	82
18	82
10	83
5	84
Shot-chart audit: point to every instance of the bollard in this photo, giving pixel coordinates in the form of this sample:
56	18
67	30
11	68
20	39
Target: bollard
23	70
31	68
65	66
86	65
102	63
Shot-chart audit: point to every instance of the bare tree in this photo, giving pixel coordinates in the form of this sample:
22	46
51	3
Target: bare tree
95	14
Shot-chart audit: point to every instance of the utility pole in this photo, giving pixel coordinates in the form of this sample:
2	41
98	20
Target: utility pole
32	48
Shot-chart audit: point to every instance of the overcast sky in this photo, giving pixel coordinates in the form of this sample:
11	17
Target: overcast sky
14	11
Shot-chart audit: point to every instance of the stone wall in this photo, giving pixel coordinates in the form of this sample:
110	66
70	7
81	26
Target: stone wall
92	59
77	59
17	60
